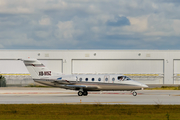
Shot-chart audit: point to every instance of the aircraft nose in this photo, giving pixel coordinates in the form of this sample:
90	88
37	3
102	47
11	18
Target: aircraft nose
144	86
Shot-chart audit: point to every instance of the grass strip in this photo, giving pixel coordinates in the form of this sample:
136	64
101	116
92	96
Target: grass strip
88	112
164	88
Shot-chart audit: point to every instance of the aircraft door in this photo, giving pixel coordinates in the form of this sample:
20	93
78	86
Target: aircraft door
76	79
106	78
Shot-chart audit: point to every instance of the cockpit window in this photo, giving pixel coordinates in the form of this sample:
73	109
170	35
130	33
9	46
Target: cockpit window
123	78
127	78
120	77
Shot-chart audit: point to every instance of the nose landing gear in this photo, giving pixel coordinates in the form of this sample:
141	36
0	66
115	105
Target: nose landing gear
134	93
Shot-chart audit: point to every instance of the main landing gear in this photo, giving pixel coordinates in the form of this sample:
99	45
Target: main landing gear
134	93
81	93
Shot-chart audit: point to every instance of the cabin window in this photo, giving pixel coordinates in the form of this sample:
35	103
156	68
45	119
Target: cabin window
113	79
106	79
80	79
99	79
92	79
86	79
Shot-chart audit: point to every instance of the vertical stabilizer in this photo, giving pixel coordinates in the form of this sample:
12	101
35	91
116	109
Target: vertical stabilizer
36	68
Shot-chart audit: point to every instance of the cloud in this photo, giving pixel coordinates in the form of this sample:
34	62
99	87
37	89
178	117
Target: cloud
15	7
89	24
65	29
176	26
138	24
45	21
119	21
1	46
42	34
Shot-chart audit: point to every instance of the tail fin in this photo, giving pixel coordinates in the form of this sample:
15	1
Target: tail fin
36	68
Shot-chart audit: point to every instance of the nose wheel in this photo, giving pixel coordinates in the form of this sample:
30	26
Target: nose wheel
81	93
134	93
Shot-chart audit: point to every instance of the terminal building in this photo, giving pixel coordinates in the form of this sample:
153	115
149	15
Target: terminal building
159	67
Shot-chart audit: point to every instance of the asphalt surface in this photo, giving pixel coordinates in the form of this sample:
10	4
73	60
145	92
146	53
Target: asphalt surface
25	95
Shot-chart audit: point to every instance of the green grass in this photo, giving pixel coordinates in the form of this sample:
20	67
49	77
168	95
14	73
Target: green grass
164	88
88	112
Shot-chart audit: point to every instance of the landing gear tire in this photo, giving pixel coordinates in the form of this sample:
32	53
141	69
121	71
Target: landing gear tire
134	93
85	93
80	93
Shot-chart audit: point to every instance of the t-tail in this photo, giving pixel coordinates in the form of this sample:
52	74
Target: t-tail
36	68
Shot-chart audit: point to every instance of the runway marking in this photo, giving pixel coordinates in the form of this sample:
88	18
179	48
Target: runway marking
87	103
35	93
94	102
64	93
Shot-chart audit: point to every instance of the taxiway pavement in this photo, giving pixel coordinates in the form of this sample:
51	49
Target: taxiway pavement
23	95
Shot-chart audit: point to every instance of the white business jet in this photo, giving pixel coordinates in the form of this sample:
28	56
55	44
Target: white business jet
81	83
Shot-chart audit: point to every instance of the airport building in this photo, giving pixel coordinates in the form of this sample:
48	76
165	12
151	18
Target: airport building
146	66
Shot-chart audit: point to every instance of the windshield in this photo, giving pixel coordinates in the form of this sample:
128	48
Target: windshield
123	78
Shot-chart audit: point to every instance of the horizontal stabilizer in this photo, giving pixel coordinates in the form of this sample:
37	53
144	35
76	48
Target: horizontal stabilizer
28	60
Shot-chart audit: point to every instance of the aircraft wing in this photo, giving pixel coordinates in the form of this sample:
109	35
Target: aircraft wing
66	84
77	87
62	81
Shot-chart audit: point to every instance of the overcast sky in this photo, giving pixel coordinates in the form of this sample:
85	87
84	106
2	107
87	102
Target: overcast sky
90	24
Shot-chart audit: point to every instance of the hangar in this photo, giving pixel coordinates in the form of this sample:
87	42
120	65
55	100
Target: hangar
146	66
